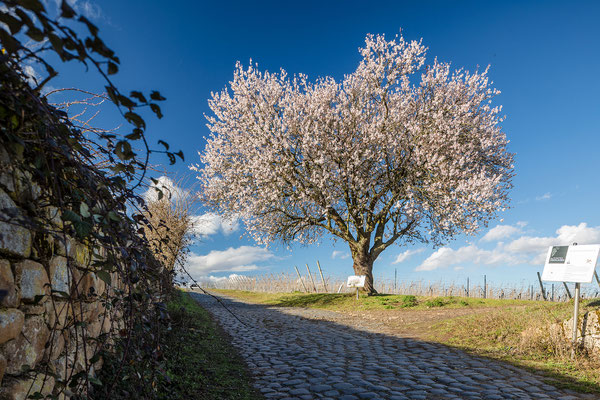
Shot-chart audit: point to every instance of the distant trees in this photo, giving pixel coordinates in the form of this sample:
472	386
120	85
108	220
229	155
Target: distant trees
384	156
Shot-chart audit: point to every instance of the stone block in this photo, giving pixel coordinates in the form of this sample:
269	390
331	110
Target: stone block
59	274
28	348
58	313
9	294
26	191
6	178
2	367
94	328
14	239
33	309
56	345
20	389
79	253
63	366
32	278
87	282
11	324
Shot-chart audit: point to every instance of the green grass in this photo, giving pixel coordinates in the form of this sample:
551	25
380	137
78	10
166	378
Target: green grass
201	363
348	302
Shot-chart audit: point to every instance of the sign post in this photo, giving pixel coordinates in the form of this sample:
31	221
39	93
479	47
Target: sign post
572	264
356	281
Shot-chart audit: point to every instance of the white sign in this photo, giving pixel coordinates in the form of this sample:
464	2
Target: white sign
356	281
571	263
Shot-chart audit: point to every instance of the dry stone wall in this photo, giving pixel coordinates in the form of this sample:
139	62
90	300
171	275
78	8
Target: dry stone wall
54	313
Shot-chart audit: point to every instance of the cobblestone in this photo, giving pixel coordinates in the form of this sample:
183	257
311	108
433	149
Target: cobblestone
299	354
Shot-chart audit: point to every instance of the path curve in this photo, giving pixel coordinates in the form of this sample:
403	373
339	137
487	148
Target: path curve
299	353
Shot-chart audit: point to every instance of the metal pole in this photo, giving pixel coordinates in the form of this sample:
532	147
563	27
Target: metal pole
542	286
311	279
485	287
597	279
322	279
575	317
301	281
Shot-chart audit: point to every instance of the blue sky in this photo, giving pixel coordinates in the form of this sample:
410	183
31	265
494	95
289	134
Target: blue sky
544	57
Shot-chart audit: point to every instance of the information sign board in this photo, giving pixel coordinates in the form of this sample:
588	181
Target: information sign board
571	263
356	281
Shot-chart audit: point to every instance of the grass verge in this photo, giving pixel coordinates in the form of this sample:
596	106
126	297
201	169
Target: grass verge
201	363
514	331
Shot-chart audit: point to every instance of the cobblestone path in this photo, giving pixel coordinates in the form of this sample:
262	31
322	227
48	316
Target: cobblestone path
299	354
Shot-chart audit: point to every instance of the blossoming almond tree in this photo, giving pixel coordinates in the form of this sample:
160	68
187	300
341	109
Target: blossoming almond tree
387	155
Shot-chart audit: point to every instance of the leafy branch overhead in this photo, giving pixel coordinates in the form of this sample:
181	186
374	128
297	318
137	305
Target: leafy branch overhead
69	204
29	20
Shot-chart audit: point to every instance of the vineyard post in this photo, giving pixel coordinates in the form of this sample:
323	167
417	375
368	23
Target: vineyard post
301	281
322	279
542	286
567	290
311	279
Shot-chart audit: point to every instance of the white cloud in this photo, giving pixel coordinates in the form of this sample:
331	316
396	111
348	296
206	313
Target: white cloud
169	188
239	259
565	235
405	255
340	254
217	279
526	249
446	256
210	224
87	8
545	196
500	232
458	268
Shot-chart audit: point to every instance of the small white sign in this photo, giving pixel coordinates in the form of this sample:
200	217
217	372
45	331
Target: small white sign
356	281
571	263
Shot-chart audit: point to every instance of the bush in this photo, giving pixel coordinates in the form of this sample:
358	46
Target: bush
409	301
437	302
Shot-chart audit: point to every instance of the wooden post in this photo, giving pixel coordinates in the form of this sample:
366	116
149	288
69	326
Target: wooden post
568	291
311	279
467	287
340	288
553	292
322	279
542	286
301	281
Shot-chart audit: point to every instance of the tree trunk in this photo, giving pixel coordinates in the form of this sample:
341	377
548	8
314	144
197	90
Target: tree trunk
363	265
